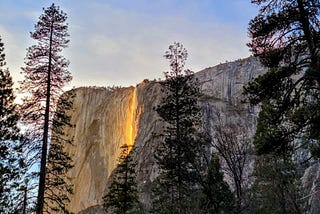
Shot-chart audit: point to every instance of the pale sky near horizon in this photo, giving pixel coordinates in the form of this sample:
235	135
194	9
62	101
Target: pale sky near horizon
122	42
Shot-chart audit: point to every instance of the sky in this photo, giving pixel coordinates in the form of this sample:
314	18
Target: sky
122	42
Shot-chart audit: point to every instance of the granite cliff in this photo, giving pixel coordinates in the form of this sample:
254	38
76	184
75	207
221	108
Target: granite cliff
106	118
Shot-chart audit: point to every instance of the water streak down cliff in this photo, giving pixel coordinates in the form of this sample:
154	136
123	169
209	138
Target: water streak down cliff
105	119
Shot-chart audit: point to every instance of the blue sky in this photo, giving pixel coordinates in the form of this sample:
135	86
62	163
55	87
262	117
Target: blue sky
121	42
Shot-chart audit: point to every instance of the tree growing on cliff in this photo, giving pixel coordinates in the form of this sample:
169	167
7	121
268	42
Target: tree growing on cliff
11	165
122	197
45	75
180	112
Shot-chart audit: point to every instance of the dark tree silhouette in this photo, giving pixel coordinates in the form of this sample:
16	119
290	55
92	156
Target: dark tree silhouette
232	145
285	37
11	164
180	111
58	183
122	197
219	198
45	75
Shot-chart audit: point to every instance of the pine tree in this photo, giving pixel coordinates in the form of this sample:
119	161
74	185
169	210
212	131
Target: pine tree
219	198
122	197
45	75
276	188
177	153
10	139
58	184
285	37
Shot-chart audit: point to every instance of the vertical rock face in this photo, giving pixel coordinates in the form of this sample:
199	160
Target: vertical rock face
105	119
311	186
225	81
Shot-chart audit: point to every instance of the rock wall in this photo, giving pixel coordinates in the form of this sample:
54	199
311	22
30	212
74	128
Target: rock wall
105	119
311	186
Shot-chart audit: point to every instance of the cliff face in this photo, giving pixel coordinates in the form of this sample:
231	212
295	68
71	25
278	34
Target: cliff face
105	119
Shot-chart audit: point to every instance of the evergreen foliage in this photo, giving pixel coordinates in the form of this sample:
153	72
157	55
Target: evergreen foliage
285	36
58	183
186	170
122	197
180	112
276	189
219	198
11	163
45	75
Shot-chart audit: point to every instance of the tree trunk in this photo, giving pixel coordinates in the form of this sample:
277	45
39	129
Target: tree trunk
42	173
25	200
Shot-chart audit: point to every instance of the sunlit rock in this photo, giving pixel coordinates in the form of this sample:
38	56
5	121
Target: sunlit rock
106	118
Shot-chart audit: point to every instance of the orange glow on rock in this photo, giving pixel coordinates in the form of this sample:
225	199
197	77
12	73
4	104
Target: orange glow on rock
131	123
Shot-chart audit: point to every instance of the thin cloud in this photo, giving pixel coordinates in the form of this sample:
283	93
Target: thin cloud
122	45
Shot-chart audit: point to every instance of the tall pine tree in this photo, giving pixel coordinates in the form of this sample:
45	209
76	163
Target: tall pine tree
45	75
10	162
178	152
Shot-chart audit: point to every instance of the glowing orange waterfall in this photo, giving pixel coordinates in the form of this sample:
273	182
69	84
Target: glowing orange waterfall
132	129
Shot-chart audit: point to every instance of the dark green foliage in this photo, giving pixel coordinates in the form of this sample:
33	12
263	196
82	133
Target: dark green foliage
285	36
45	75
276	189
272	135
58	184
8	109
11	162
277	184
122	197
219	198
187	179
176	154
